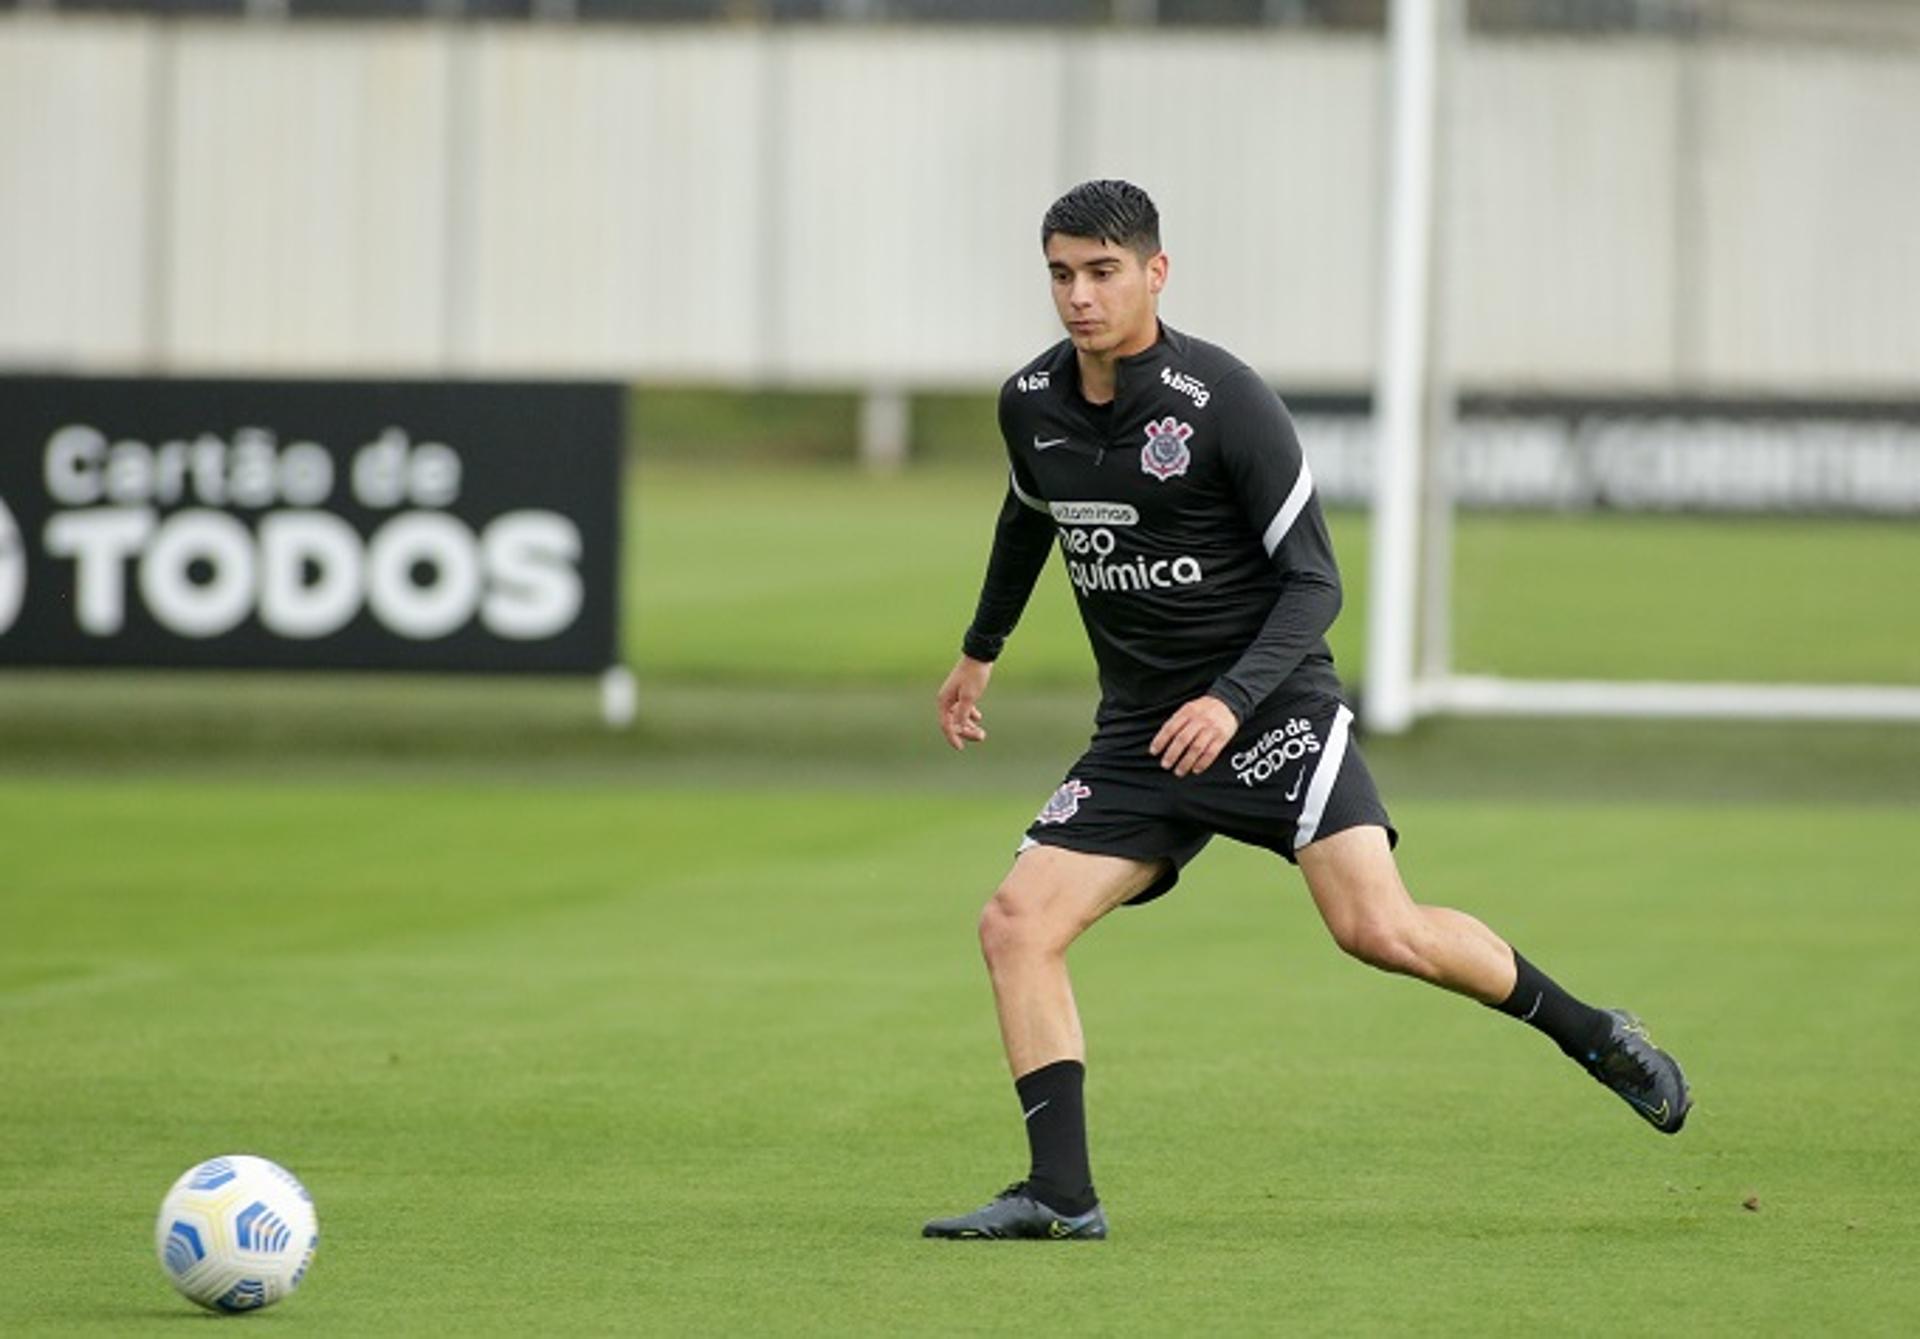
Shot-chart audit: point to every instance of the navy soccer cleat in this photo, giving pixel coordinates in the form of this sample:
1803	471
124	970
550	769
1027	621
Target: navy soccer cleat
1645	1077
1014	1215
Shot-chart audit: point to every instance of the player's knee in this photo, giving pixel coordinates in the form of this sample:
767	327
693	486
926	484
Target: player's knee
1003	929
1009	927
1393	944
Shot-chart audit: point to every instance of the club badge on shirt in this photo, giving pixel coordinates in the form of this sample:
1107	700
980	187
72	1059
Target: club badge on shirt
1165	455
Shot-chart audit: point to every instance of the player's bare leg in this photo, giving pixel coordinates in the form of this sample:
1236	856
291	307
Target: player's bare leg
1049	898
1356	884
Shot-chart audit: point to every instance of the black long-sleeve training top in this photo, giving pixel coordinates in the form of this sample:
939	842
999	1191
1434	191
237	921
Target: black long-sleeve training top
1187	518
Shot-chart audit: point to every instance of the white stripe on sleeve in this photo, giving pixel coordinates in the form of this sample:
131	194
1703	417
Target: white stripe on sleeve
1025	496
1324	776
1289	510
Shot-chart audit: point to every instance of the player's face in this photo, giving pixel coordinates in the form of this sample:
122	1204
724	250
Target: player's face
1105	294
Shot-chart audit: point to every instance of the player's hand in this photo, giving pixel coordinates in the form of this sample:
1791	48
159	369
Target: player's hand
960	702
1194	735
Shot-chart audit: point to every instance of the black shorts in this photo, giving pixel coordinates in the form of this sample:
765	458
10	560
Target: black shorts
1291	776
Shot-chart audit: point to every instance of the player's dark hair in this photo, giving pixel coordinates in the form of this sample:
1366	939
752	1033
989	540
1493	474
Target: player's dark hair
1106	211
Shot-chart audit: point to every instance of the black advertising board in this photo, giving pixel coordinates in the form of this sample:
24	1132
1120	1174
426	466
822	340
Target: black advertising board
444	526
1702	454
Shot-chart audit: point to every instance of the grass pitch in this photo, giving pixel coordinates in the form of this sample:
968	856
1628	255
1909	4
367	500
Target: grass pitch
694	1060
682	1030
830	576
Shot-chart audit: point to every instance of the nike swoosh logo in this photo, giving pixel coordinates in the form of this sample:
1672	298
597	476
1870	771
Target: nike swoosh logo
1653	1113
1051	442
1294	794
1030	1114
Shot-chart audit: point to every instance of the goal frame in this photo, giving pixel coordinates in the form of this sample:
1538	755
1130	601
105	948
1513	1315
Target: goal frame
1409	672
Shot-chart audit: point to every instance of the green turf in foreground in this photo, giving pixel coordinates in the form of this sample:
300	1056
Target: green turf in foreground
655	1060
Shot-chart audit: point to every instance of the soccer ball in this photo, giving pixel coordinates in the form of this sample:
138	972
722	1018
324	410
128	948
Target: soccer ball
236	1233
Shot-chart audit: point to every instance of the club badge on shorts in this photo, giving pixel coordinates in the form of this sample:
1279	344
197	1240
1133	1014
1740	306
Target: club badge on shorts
1065	802
1165	455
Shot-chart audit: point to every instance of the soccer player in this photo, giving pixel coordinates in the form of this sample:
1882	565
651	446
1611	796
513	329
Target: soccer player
1170	477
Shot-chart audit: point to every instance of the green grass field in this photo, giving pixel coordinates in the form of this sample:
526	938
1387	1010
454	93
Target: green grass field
682	1030
739	577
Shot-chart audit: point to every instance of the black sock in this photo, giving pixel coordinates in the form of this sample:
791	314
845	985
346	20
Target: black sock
1050	1098
1578	1029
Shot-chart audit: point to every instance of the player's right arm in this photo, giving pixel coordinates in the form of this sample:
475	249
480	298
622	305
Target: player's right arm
1021	539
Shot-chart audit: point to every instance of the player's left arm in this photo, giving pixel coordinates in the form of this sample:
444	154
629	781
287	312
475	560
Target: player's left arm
1268	471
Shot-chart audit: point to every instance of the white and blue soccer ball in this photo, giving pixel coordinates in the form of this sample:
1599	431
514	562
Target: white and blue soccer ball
236	1233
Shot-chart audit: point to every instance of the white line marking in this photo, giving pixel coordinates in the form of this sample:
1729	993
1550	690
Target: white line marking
1289	510
1324	776
1025	496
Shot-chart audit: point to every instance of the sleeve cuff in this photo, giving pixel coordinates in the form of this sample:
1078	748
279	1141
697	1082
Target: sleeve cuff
1234	696
980	646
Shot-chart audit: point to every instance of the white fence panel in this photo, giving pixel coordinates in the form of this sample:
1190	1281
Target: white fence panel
861	205
1812	260
1562	214
74	220
615	215
307	198
1262	152
915	168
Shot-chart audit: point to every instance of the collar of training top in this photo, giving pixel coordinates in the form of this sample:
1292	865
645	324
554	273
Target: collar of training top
1065	366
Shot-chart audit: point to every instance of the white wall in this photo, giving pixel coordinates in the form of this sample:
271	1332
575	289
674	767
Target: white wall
1262	153
609	202
306	199
1812	203
905	226
1561	228
76	221
861	205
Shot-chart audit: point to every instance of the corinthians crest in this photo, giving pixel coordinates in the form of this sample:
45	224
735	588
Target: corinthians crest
1065	802
1165	454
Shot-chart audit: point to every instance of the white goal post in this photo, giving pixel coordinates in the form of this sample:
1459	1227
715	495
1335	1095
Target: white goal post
1408	662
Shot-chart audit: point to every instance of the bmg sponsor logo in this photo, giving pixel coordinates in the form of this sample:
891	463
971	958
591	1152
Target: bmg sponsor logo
1190	386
